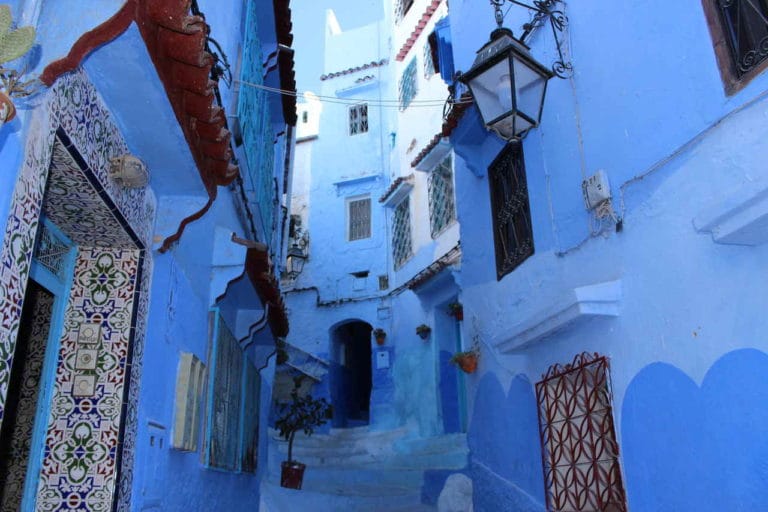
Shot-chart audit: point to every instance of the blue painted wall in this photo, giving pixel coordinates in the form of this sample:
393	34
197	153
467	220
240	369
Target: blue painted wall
698	447
687	349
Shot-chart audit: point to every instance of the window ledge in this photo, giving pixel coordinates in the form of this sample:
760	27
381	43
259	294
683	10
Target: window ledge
740	218
433	154
400	188
575	307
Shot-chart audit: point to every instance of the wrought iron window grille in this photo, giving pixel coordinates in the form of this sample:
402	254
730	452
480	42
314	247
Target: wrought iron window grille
746	24
512	229
401	8
51	251
407	86
402	247
442	207
580	453
358	119
359	219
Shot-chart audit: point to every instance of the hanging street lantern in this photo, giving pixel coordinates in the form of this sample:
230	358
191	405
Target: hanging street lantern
295	261
507	83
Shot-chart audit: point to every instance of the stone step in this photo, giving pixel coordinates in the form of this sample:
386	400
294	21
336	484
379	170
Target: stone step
370	499
322	477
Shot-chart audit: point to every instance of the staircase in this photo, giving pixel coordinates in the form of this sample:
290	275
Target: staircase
355	469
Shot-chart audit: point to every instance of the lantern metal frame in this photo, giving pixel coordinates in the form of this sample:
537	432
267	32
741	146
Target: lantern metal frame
504	46
295	260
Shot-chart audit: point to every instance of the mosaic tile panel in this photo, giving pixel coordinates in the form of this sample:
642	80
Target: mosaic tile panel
81	445
73	107
73	203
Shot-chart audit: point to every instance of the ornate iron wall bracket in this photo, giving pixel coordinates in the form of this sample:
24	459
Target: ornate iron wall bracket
543	11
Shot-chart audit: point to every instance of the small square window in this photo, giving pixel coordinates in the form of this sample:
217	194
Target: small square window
358	119
359	219
739	30
402	248
407	88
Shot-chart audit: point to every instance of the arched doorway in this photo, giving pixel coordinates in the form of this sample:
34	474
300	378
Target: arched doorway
351	378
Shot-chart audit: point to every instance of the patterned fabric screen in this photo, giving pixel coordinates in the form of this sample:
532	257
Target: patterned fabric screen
359	218
442	209
578	439
401	233
407	85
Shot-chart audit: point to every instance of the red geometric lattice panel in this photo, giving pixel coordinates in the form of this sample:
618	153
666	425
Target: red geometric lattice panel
578	440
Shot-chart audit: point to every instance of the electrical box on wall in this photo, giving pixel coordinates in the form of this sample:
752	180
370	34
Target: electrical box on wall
596	189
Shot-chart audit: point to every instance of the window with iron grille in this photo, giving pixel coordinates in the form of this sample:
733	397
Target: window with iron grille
233	403
359	219
358	119
442	210
431	60
512	231
401	233
401	8
739	31
407	85
579	450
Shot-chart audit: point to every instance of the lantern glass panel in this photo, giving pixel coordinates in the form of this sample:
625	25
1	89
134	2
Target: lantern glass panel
529	87
492	90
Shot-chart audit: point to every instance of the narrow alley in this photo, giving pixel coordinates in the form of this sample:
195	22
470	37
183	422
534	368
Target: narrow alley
383	256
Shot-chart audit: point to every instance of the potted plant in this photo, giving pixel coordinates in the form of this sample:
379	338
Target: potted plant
456	310
302	413
380	335
13	44
423	331
467	360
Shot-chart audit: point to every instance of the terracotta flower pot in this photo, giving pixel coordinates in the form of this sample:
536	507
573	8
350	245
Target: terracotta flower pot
468	363
380	340
292	474
459	314
10	107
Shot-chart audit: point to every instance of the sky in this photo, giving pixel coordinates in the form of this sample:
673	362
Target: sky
309	28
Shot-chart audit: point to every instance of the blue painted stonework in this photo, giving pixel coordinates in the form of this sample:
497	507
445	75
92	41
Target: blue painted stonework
504	442
691	447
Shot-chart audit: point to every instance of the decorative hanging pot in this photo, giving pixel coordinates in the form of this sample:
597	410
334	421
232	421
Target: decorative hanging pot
7	109
380	335
467	361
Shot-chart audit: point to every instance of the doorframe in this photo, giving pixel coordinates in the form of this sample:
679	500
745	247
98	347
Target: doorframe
60	288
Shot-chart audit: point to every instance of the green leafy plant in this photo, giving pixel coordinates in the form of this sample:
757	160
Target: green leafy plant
455	309
14	43
423	331
302	413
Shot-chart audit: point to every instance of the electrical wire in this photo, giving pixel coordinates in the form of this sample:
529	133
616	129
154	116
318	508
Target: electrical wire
352	101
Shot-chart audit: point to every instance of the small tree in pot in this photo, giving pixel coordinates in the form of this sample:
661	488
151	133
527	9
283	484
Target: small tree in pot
302	413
